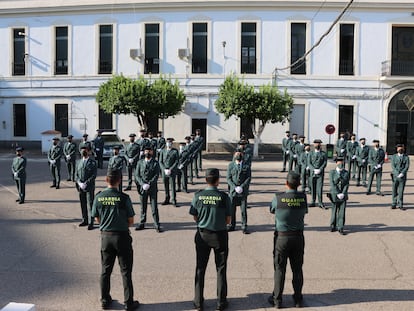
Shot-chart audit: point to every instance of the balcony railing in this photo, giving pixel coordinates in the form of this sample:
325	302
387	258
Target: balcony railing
397	68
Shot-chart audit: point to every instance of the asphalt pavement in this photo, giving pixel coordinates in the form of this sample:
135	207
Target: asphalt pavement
47	260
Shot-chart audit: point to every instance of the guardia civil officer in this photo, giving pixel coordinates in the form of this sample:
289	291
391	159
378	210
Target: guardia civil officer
299	149
85	142
200	140
293	157
143	142
340	146
146	177
19	173
351	147
86	169
183	162
238	178
247	155
317	164
98	145
285	149
117	162
113	211
169	164
69	151
54	155
376	158
339	184
289	243
362	153
160	144
400	163
211	210
132	156
304	168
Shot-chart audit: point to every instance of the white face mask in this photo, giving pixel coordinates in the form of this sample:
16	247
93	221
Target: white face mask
169	144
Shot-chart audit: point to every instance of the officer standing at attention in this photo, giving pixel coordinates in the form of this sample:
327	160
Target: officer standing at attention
54	156
19	173
146	177
69	151
114	212
169	164
160	144
184	160
143	143
339	182
304	168
117	162
239	176
200	140
132	157
85	142
191	147
362	152
400	163
317	163
289	243
196	149
340	146
351	147
376	159
211	210
293	157
299	149
98	145
285	149
247	155
86	170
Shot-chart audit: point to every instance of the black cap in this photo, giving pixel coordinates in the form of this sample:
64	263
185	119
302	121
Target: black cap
212	172
19	148
301	136
192	135
99	130
70	136
170	139
132	135
85	135
55	138
142	131
363	138
339	159
375	141
182	143
306	145
287	132
117	147
148	148
399	145
84	147
317	141
187	138
242	142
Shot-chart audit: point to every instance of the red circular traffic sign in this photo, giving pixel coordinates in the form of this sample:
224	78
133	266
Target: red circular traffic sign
330	129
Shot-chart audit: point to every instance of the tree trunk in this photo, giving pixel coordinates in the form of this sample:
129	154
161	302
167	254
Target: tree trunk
257	133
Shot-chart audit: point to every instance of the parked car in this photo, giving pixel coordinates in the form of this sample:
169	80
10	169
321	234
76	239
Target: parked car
111	139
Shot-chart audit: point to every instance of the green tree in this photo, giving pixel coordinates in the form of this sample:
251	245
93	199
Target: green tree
140	97
264	105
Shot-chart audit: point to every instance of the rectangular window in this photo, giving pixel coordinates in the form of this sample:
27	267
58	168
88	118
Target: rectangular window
61	53
199	50
346	119
105	119
152	48
297	47
105	49
248	48
19	52
61	119
402	51
19	120
346	49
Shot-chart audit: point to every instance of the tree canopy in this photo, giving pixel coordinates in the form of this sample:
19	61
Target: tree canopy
267	104
140	97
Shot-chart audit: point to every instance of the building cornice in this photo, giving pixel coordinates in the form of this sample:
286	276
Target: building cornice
28	7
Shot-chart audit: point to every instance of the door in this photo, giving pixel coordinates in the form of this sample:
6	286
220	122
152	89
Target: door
346	120
297	120
61	119
105	120
200	124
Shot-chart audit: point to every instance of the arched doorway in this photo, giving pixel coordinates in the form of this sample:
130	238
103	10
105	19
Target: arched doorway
401	121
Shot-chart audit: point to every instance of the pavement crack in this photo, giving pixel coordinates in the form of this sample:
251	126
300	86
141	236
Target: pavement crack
387	255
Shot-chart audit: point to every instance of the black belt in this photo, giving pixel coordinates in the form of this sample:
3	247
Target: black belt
210	231
289	233
114	232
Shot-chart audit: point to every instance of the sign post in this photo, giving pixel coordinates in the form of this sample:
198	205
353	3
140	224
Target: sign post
330	129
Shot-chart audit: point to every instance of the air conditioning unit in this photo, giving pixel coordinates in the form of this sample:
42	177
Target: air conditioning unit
135	53
183	53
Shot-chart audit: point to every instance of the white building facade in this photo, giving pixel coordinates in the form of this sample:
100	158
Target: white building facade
360	78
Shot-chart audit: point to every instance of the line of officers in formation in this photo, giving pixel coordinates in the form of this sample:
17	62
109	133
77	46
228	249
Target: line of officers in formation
359	159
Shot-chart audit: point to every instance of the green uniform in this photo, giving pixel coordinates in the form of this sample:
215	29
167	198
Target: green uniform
200	141
54	155
169	161
399	166
143	143
117	162
238	175
86	174
160	145
196	151
113	209
192	147
362	153
183	162
299	149
285	149
340	147
351	147
211	207
293	157
304	170
85	143
317	163
98	145
289	243
132	153
19	175
339	183
376	159
69	151
147	172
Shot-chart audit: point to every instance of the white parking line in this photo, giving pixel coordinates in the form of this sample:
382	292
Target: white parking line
8	189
